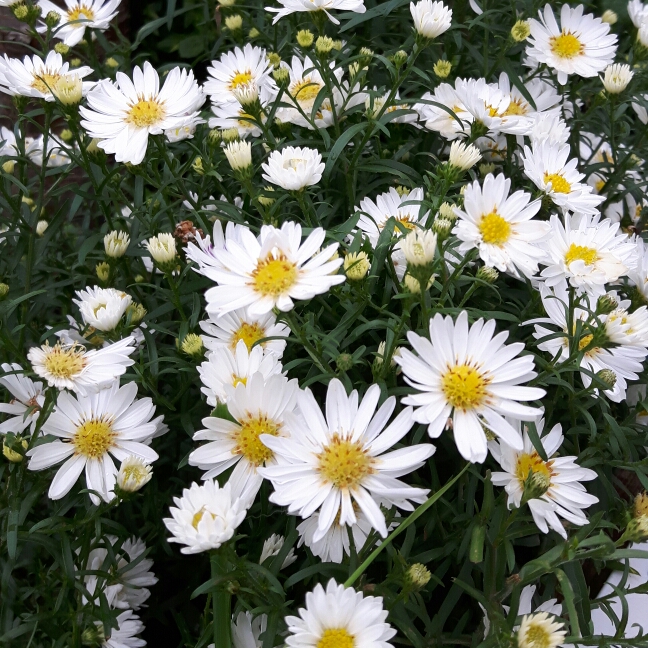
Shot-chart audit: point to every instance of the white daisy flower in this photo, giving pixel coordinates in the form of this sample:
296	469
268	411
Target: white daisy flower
131	581
431	19
586	252
271	272
624	361
638	12
123	114
92	428
544	97
334	544
450	123
261	406
226	367
332	462
25	406
204	517
548	166
554	487
339	617
125	634
201	252
72	367
581	45
549	127
404	208
78	16
617	77
297	6
501	226
35	77
239	67
471	375
247	630
294	168
540	630
102	308
272	547
228	330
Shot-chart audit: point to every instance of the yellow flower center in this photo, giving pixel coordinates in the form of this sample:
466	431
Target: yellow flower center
305	90
247	439
82	12
464	387
516	107
45	81
63	362
249	333
240	78
494	229
237	380
336	638
581	253
531	462
537	636
145	113
345	464
585	341
566	45
274	276
558	183
94	438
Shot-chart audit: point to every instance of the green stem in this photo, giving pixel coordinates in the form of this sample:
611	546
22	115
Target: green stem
221	601
401	527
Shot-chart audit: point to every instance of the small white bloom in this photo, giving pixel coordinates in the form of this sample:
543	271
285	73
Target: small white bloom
162	248
239	154
540	630
116	244
617	77
204	517
134	473
294	168
28	396
93	427
469	374
419	247
102	308
246	94
272	547
431	19
226	367
72	367
78	16
581	45
272	270
464	156
123	114
293	6
334	462
68	90
638	12
339	617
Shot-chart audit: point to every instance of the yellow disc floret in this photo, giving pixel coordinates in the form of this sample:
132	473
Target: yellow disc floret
247	439
64	362
94	438
240	78
146	112
274	276
558	183
566	45
532	462
249	333
494	229
344	463
464	387
82	12
305	90
45	81
336	638
581	253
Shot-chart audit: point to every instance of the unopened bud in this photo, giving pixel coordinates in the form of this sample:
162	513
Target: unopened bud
488	274
281	76
366	55
417	576
20	11
41	226
463	156
162	249
135	312
75	62
442	226
305	38
239	156
193	346
68	90
274	59
606	304
103	271
116	244
486	168
229	134
400	58
133	474
234	22
344	362
607	377
356	265
641	504
12	451
112	62
4	290
324	44
52	19
442	68
253	33
8	166
197	166
520	31
447	210
61	48
610	17
66	135
93	636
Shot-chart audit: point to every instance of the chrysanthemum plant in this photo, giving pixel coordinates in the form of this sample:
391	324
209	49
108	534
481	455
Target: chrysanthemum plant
323	324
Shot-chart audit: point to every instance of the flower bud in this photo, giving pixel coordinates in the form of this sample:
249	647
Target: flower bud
61	48
193	346
112	62
68	90
103	271
380	356
226	3
133	474
93	636
636	531
162	249
442	226
8	166
400	58
234	22
12	451
75	62
281	76
607	377
419	247
239	155
197	166
487	274
642	35
447	210
486	168
135	312
413	285
116	244
417	576
20	11
463	156
344	362
520	31
356	265
266	201
431	19
4	290
247	94
442	68
66	135
610	17
324	44
366	55
253	33
641	504
52	19
617	77
93	147
41	226
229	134
606	304
274	59
305	38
